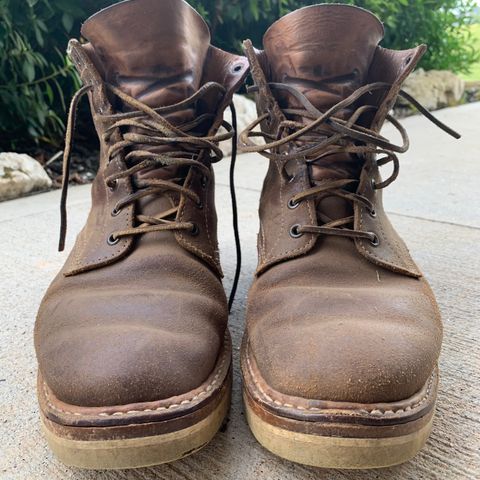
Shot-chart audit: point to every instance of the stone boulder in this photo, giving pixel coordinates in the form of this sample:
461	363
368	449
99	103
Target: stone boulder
246	114
21	174
434	89
472	92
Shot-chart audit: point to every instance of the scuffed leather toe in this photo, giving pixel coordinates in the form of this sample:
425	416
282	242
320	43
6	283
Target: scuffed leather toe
143	364
352	339
381	363
102	341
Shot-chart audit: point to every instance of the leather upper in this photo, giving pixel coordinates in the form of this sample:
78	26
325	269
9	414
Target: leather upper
166	79
141	318
142	329
275	244
330	325
334	318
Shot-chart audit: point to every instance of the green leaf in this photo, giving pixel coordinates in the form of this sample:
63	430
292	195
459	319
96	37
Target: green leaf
32	131
71	8
254	9
28	70
49	92
67	21
60	94
39	36
42	26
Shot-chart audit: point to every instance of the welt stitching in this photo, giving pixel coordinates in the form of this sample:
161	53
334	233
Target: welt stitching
82	265
206	211
380	261
262	241
205	391
384	237
282	254
81	247
374	411
197	250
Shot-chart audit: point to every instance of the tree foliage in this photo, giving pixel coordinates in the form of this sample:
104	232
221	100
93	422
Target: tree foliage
36	79
441	24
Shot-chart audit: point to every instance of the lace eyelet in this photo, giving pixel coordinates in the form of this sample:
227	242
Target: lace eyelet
375	241
116	211
112	185
291	204
195	230
294	233
112	240
372	213
269	121
237	68
204	181
374	185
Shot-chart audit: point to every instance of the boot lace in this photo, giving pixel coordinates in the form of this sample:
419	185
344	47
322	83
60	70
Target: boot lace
146	127
326	134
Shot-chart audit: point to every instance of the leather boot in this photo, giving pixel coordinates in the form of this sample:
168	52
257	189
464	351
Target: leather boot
131	337
343	334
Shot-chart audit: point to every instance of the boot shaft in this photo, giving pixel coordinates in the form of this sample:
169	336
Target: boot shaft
152	75
319	60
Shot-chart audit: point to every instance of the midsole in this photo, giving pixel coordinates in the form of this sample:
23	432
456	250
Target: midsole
136	430
335	429
139	451
138	441
336	451
140	419
330	418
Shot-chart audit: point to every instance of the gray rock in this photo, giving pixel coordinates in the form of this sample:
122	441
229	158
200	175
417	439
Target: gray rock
20	174
434	89
246	114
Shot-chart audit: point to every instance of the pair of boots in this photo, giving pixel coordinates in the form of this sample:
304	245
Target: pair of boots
339	358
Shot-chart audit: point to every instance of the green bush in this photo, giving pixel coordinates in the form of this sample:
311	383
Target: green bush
35	77
36	80
442	24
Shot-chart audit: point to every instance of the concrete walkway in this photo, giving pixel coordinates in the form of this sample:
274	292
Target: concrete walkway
434	204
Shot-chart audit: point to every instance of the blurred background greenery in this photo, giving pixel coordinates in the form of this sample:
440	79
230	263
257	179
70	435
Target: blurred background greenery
36	79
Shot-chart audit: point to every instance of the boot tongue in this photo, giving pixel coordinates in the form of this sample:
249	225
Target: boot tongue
152	50
325	52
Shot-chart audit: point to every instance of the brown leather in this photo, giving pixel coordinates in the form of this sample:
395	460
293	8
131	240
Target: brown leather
299	49
331	317
162	81
144	319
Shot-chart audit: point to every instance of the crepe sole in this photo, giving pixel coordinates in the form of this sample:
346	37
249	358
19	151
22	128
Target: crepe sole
336	452
137	452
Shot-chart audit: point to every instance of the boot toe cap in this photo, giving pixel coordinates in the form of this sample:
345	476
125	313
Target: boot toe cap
382	355
125	365
103	356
